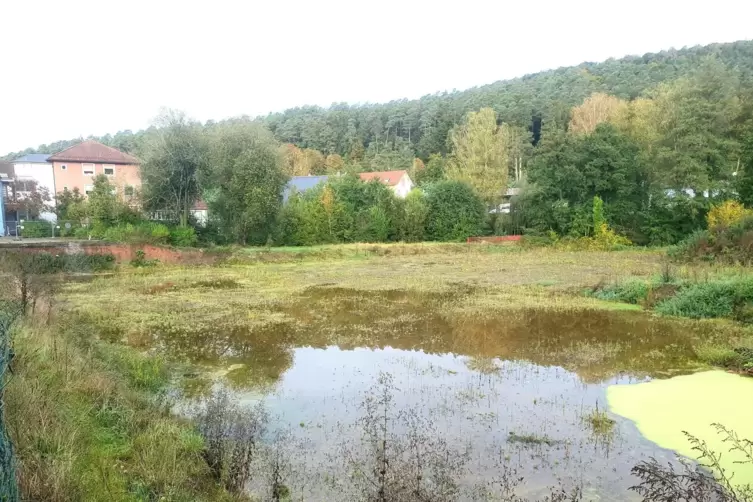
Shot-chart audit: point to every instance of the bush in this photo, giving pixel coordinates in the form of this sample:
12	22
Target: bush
455	212
81	233
719	356
415	212
80	262
726	214
733	244
160	234
36	229
710	299
183	237
141	261
696	244
344	210
141	233
632	291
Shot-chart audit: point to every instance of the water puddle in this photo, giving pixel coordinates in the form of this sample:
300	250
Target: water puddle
505	389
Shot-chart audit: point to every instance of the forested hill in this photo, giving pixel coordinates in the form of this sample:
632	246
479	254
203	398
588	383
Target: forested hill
422	125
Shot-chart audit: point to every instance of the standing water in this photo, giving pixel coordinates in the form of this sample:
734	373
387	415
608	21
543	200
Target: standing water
513	400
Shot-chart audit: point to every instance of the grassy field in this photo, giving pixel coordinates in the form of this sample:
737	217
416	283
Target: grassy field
86	406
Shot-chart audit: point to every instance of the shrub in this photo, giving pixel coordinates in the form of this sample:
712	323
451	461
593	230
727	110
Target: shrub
141	233
183	237
32	229
719	356
81	233
726	214
455	211
733	244
160	234
80	262
415	212
632	291
344	210
696	244
141	261
710	299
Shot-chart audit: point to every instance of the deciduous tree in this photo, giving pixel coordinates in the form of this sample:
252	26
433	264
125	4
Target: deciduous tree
479	155
171	159
244	181
596	109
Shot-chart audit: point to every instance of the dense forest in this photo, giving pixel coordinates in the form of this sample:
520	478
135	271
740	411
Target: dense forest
422	125
658	138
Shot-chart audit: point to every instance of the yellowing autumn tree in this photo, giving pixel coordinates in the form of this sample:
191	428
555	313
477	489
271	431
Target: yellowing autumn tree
333	163
596	109
726	214
479	155
304	162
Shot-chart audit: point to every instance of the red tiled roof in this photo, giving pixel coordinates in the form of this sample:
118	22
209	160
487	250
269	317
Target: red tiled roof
200	205
390	178
93	151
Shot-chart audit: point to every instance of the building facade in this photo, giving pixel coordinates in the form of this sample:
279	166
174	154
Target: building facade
34	172
77	166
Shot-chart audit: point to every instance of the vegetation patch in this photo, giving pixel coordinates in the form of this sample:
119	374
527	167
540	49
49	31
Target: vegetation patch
532	439
716	298
87	423
599	422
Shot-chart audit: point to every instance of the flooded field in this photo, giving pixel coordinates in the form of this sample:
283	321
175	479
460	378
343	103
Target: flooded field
464	389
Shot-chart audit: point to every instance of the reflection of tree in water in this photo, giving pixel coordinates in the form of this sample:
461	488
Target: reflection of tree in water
596	344
256	356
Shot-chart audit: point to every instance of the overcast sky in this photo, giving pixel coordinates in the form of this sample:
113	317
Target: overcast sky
76	67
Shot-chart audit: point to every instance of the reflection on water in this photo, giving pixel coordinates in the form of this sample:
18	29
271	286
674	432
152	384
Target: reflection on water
320	399
595	344
505	386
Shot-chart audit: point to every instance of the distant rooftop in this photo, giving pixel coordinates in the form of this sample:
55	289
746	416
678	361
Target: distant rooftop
33	158
6	170
389	178
93	151
301	184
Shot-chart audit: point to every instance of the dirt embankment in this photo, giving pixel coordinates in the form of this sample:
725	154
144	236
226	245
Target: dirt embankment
121	252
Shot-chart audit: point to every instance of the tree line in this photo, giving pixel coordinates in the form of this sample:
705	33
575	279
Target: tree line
658	138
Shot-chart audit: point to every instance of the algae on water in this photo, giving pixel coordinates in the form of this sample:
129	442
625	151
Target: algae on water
663	409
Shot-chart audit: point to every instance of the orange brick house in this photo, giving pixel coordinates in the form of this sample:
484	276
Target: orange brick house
76	167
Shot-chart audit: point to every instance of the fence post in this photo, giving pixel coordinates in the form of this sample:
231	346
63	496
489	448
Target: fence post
8	484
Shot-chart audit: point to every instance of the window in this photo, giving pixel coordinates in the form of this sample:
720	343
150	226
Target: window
128	191
63	167
88	169
109	170
88	189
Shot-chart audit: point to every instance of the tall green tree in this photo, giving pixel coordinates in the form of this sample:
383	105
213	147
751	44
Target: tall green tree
244	179
172	156
569	172
697	147
479	155
455	211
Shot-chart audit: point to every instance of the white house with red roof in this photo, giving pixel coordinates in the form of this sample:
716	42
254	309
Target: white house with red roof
398	181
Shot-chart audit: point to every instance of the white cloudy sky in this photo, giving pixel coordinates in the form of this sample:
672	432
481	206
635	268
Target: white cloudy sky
78	67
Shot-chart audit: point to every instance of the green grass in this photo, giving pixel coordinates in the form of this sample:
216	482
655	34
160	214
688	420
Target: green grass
599	422
715	298
631	291
87	423
719	355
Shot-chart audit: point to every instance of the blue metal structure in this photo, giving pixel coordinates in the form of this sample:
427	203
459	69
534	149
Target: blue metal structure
4	182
